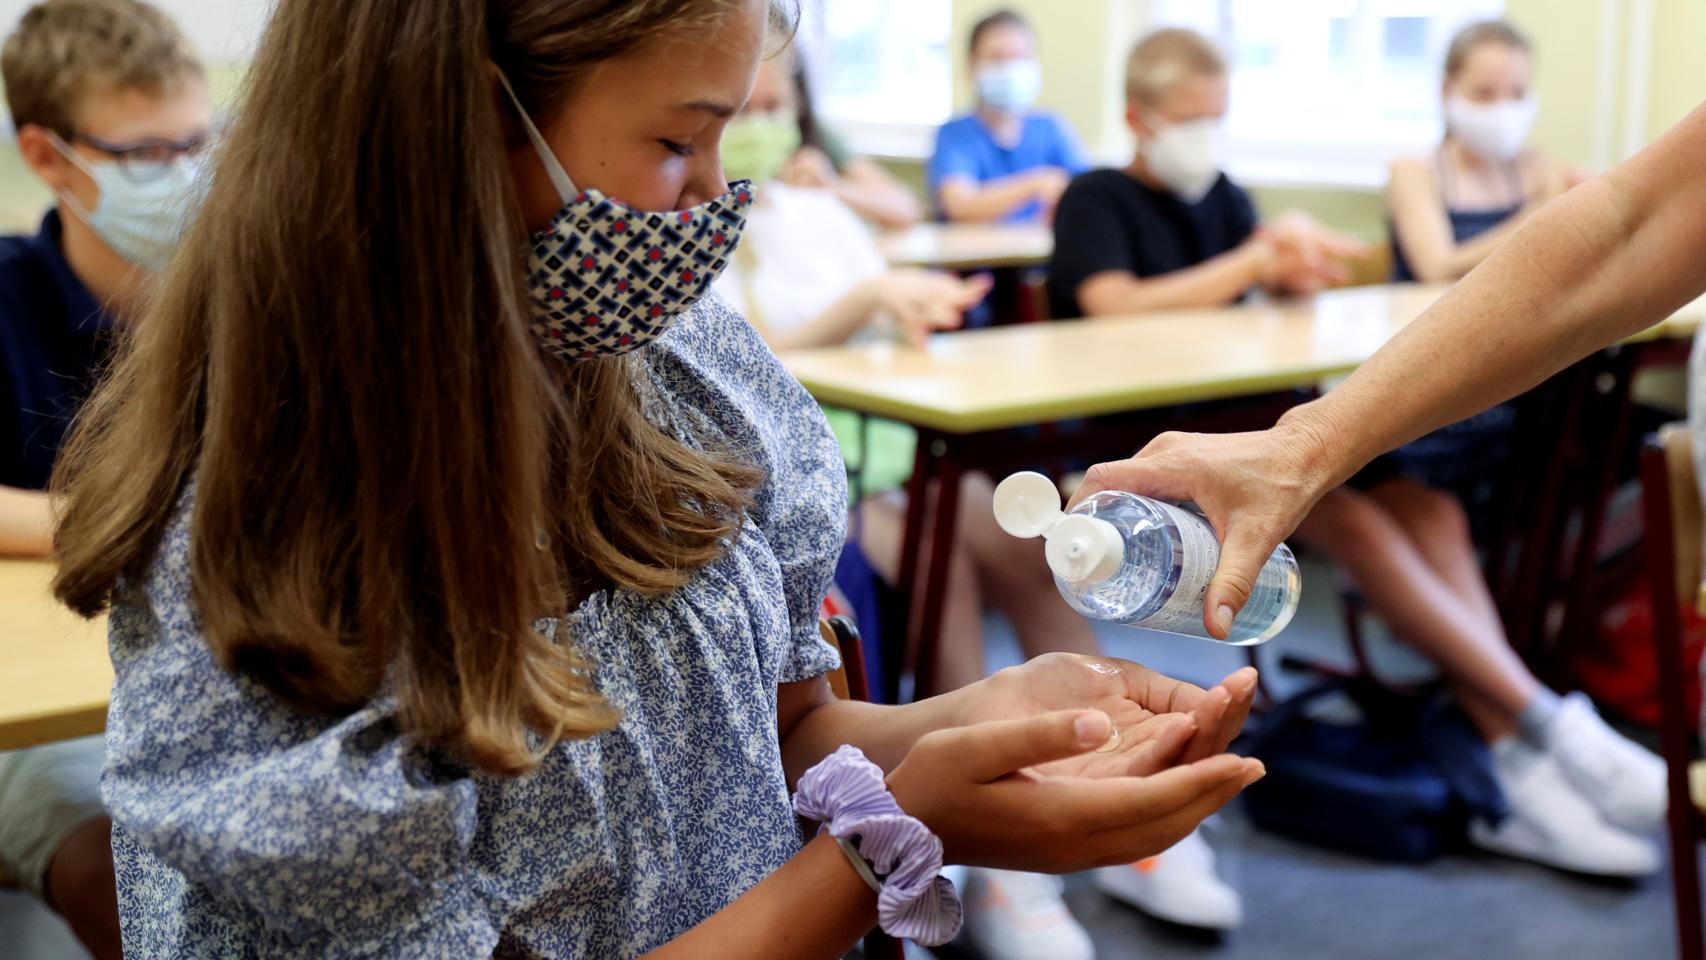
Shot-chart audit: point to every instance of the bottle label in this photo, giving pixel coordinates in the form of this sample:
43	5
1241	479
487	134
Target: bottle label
1199	554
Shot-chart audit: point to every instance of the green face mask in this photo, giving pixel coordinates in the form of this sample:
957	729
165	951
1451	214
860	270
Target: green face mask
755	145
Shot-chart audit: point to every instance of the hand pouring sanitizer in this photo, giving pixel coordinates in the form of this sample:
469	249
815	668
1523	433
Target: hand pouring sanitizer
1132	560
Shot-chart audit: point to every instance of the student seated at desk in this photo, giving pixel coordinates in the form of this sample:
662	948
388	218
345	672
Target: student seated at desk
861	183
808	274
1003	162
1451	208
110	106
1581	796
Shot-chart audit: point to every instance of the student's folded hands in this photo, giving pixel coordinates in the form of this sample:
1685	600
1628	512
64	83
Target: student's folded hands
1069	762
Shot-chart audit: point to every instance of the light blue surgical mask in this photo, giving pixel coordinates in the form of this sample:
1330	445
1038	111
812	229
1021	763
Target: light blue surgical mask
1010	86
140	218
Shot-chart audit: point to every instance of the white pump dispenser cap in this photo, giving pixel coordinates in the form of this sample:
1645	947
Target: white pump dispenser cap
1081	549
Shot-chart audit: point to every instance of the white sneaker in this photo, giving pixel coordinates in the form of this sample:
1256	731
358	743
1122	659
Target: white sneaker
1622	779
1551	823
1179	886
1020	916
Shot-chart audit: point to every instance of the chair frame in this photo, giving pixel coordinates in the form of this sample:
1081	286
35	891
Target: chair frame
851	683
1686	824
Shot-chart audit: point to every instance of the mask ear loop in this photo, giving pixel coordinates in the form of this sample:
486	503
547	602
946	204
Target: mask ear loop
553	167
72	203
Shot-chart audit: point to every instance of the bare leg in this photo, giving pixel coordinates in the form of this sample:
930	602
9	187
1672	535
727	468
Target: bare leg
82	889
1016	578
1422	607
1439	528
960	648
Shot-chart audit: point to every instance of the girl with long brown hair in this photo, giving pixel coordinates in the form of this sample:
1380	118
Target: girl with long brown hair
464	563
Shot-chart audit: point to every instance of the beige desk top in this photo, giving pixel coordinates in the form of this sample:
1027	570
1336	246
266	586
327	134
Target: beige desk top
54	672
958	246
1035	373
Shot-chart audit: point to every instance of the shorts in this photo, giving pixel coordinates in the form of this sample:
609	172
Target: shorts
46	794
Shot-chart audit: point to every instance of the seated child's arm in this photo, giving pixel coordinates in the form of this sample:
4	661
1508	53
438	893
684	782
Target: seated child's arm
876	195
1215	282
965	200
1423	230
917	302
26	523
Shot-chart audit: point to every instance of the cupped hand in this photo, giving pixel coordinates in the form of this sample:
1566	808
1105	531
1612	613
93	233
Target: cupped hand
987	791
1158	721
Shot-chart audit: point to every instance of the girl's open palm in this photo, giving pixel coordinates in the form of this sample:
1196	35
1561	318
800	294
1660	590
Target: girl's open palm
1158	721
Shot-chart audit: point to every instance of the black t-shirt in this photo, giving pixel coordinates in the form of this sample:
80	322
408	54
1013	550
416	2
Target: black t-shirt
1107	220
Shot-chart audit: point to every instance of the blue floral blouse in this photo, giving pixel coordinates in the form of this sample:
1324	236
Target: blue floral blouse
243	829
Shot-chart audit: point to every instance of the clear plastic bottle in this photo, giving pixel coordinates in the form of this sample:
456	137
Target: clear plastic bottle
1141	562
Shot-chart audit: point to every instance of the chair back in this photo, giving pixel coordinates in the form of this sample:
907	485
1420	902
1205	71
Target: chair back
1672	514
850	683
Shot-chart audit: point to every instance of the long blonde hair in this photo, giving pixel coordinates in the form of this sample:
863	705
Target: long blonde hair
392	483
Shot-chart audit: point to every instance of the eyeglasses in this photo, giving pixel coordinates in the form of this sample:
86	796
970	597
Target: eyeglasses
144	161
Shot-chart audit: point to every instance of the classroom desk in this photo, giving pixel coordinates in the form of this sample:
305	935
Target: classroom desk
967	247
55	675
968	392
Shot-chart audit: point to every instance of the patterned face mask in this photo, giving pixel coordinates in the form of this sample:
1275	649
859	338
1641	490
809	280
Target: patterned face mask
603	280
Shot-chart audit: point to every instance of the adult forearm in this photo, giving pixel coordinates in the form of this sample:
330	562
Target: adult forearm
1606	260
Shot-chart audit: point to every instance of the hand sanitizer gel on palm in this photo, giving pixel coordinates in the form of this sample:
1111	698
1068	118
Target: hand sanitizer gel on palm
1132	560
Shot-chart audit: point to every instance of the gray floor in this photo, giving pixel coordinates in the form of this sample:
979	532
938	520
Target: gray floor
1300	902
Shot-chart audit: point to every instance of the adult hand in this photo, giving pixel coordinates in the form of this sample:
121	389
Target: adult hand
1158	721
922	302
1254	488
982	790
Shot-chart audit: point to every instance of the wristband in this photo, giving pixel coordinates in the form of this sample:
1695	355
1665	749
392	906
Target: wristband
846	793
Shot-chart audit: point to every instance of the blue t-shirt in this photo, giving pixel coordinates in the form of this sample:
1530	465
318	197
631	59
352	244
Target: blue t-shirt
54	339
966	148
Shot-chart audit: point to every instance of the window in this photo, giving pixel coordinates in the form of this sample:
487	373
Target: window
1329	91
882	70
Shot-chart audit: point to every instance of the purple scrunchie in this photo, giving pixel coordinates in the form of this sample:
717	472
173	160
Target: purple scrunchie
846	793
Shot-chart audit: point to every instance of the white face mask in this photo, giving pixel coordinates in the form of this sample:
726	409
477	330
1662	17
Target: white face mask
1186	157
1492	131
1010	86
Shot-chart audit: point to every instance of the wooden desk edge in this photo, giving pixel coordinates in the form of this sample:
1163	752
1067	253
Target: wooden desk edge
1677	327
31	731
967	264
998	418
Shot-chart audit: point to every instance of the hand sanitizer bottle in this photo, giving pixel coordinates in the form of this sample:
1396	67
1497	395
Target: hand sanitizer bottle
1144	563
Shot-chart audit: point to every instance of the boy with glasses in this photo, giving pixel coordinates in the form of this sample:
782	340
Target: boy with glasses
112	113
